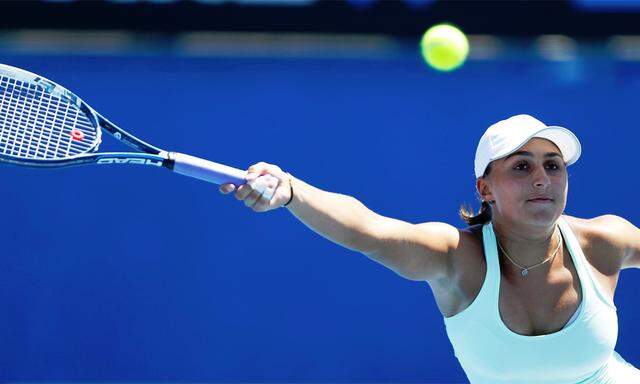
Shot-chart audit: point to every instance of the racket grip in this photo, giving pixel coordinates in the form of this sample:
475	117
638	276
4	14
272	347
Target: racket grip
206	170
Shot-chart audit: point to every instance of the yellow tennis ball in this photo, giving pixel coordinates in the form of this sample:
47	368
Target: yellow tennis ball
444	47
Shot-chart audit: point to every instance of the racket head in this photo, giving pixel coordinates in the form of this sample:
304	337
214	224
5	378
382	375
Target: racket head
43	124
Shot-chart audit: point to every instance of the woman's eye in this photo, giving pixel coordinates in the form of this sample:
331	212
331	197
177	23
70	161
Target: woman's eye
524	166
521	166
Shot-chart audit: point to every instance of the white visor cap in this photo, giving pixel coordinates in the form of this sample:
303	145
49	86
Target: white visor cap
507	136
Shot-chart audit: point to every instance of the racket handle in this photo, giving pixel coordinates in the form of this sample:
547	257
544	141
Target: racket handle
206	170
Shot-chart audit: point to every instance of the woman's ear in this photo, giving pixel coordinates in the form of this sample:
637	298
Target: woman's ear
484	190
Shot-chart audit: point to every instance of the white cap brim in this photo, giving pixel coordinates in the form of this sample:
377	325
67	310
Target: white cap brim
564	139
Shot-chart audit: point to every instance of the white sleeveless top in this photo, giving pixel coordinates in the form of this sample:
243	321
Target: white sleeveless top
581	352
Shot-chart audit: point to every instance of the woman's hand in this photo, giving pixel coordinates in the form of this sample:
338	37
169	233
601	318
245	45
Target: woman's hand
267	188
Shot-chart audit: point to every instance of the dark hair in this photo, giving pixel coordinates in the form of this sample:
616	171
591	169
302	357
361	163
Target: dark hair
483	216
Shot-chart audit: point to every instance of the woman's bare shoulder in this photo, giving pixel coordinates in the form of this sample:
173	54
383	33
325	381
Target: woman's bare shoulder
470	241
469	253
601	239
472	235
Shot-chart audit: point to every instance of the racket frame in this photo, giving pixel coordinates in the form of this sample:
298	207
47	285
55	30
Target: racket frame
148	154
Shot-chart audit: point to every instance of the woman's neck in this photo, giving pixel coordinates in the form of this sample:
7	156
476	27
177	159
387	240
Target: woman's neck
527	245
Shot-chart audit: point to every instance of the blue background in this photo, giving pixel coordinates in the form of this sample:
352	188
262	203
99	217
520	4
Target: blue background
135	274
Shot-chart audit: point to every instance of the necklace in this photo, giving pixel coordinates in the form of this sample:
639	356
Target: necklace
525	270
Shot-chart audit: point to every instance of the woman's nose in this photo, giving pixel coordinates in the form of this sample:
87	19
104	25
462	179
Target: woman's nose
540	177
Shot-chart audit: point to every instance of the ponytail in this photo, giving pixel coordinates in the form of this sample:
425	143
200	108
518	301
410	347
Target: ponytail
483	216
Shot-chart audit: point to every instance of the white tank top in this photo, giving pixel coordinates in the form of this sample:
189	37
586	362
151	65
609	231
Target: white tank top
581	352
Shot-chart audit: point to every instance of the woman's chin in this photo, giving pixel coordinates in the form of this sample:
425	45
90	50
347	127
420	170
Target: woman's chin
543	214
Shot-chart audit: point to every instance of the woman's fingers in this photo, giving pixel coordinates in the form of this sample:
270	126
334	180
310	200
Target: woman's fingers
262	168
227	188
243	191
266	187
262	188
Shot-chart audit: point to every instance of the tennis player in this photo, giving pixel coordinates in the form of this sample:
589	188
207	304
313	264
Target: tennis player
526	291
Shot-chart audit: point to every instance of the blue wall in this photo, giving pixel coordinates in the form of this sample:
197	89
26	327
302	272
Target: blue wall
134	274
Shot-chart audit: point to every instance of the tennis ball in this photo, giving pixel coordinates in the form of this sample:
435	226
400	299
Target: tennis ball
444	47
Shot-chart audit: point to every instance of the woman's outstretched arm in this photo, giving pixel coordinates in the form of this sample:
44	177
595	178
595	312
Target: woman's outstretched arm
414	251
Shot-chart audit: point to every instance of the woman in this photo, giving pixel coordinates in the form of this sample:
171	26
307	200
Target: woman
526	292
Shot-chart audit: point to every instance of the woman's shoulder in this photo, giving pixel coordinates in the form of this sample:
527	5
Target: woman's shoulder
602	240
605	228
470	244
469	255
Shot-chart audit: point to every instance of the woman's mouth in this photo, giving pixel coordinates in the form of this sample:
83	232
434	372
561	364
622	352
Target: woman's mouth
541	201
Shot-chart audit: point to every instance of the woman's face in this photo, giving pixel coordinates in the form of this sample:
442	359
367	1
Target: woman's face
529	185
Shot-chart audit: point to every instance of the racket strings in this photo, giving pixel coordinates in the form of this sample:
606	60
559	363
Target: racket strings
37	125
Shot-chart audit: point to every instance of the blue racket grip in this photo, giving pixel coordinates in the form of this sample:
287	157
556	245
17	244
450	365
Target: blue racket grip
207	170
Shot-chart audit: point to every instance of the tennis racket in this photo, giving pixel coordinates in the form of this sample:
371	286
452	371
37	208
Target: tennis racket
44	125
